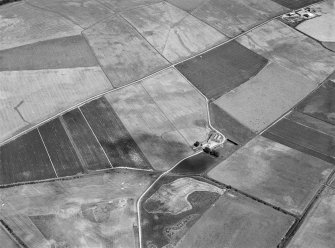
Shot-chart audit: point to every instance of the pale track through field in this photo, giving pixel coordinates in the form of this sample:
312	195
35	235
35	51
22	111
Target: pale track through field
138	204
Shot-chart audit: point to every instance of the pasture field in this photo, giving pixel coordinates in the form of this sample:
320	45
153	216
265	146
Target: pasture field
84	13
180	102
289	48
232	17
174	33
87	147
321	103
222	69
274	173
318	226
92	211
22	24
25	159
123	53
237	221
28	97
114	138
172	206
155	135
61	152
267	96
58	53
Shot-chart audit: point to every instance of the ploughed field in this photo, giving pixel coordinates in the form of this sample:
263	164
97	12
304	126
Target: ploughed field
101	103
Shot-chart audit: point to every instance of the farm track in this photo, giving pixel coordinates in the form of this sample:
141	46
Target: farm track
299	219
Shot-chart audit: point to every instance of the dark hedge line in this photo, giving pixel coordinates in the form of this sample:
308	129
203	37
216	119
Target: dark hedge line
8	1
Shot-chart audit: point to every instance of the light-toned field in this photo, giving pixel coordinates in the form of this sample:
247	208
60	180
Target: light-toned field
172	198
155	135
265	97
94	211
27	97
181	103
118	5
237	221
274	173
187	5
173	32
289	48
67	52
322	27
317	229
123	53
6	241
21	24
232	17
82	12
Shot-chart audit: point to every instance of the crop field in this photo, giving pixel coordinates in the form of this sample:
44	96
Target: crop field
58	53
114	138
172	207
94	209
18	28
295	4
187	5
236	221
271	93
222	69
155	135
28	97
233	17
123	53
291	49
27	166
163	30
84	13
274	173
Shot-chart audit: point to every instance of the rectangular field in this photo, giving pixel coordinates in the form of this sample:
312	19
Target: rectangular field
31	96
159	140
222	69
25	159
274	173
84	142
124	54
114	138
60	149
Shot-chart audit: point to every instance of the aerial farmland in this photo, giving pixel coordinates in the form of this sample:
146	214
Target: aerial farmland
167	123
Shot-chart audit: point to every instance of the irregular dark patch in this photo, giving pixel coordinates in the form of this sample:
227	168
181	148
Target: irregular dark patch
295	4
163	229
84	141
2	2
321	144
59	53
61	151
222	69
228	126
25	159
119	146
320	104
203	162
